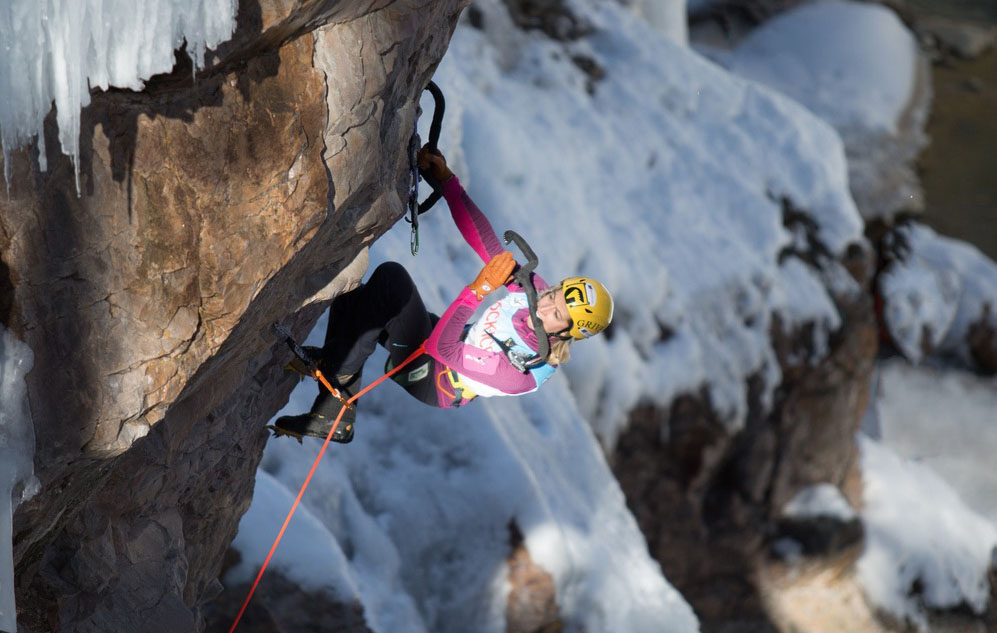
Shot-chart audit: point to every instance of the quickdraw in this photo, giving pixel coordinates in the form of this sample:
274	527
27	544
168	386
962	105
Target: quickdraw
414	206
523	362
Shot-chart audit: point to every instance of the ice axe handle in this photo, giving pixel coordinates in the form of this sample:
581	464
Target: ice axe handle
299	351
434	140
523	278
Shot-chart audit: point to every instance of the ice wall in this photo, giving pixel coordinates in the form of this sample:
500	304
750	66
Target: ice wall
58	50
17	449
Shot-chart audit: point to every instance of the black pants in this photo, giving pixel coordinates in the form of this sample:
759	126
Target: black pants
387	310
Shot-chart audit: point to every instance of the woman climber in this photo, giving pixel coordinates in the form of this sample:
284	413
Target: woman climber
494	356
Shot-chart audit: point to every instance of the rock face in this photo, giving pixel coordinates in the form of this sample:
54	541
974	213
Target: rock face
209	209
982	341
532	603
282	605
709	502
964	39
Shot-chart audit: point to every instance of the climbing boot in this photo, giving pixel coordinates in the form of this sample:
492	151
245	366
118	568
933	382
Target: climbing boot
318	421
298	426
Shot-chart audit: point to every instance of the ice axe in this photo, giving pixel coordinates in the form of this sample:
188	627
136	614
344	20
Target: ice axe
523	278
310	365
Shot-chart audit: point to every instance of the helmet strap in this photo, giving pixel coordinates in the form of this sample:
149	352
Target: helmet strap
563	334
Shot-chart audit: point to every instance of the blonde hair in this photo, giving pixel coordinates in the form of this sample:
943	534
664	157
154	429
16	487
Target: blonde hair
560	352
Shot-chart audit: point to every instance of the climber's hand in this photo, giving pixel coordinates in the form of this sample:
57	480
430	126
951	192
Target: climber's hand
433	163
494	275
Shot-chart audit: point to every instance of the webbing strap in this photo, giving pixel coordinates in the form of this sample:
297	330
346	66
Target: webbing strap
318	458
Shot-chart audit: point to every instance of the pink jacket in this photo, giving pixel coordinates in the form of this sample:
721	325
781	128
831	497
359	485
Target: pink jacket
474	359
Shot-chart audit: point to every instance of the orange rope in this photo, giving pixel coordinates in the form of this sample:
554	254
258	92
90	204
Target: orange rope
318	376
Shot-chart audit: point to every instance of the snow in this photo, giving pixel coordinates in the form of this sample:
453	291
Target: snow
940	546
820	500
310	552
17	449
60	50
930	511
667	16
853	64
935	291
420	505
943	419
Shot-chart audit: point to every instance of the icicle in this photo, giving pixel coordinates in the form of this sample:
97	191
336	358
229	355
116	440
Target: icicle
57	50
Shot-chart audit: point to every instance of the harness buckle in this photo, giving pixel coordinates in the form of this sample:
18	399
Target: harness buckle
523	362
462	394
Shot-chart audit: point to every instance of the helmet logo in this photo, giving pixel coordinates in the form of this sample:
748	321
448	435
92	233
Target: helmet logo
580	294
588	328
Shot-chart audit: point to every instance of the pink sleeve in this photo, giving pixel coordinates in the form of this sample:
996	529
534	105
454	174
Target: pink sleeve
490	368
476	229
471	222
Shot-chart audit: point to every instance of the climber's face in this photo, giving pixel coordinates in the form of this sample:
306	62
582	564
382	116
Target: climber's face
553	312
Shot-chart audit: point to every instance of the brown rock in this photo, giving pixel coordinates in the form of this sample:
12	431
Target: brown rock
823	411
965	39
554	18
707	501
280	604
532	603
982	340
208	209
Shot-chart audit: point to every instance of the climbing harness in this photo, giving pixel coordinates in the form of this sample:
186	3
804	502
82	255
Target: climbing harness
415	207
461	393
310	363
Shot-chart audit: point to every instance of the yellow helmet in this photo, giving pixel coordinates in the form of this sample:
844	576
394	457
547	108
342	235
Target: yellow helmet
590	306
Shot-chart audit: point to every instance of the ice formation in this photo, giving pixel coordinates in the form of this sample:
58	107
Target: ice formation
17	448
59	50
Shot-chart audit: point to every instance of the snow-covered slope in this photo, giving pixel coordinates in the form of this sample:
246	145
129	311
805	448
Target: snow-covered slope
858	67
420	506
934	291
932	437
851	63
944	419
942	547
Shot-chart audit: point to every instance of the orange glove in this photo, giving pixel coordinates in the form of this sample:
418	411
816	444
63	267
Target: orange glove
494	275
434	164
